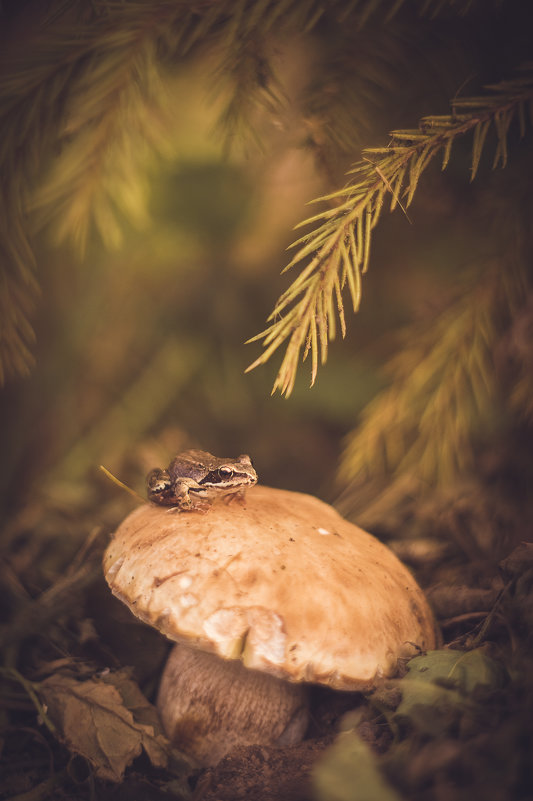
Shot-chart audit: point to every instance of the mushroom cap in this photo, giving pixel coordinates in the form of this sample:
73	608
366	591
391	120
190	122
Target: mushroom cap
283	583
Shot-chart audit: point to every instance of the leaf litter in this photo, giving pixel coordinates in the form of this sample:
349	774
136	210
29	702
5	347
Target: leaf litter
454	725
95	720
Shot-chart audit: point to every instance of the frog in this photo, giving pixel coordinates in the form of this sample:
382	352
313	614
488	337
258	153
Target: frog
195	479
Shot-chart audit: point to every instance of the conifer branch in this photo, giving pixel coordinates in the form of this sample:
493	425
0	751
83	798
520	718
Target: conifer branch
442	391
89	89
338	244
92	92
114	128
246	68
40	113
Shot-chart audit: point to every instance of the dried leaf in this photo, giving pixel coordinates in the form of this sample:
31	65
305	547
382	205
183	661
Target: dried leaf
106	720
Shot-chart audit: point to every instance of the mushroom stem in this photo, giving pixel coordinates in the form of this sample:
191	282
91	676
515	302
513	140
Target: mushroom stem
208	705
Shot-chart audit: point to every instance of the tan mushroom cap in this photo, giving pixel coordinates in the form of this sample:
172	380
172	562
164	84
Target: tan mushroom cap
283	583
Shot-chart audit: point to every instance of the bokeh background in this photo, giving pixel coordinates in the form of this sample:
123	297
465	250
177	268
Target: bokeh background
140	340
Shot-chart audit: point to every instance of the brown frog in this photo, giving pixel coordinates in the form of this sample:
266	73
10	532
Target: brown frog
194	479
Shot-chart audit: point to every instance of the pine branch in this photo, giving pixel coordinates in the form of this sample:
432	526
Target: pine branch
443	389
89	88
516	354
354	75
243	30
389	8
115	127
338	245
38	107
93	92
253	87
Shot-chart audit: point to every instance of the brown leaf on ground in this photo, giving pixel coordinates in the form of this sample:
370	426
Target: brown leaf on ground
107	720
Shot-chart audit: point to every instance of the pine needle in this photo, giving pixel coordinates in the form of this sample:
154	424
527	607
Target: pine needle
394	192
121	484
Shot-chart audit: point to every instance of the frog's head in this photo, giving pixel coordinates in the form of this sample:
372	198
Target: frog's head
232	475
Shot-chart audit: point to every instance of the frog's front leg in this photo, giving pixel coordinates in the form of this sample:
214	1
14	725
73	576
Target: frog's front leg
188	494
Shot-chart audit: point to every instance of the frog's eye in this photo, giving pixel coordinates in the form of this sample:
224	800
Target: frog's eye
225	472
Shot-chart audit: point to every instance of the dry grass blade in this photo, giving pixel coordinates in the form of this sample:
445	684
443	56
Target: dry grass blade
480	134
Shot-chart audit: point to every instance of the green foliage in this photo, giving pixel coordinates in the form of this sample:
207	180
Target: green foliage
441	685
464	671
441	689
349	771
338	245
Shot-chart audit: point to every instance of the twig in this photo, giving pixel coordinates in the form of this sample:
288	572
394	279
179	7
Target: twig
490	617
14	675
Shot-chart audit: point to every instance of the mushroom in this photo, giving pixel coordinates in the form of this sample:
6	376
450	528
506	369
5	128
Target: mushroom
263	599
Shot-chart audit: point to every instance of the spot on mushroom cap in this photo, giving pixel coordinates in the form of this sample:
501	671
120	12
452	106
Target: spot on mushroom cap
262	583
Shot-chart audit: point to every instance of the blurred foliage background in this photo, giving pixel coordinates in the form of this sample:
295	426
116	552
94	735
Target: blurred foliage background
159	218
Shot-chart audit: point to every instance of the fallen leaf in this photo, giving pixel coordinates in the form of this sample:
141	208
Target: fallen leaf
107	720
464	671
442	685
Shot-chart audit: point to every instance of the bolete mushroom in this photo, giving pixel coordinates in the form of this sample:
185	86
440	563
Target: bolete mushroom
263	599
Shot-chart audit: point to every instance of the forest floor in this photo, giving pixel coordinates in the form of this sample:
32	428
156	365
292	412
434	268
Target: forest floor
79	674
